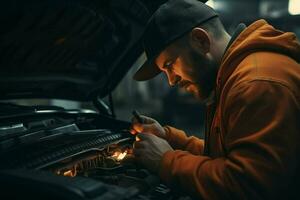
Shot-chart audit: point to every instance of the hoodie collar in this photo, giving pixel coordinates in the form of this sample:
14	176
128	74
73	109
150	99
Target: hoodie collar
235	34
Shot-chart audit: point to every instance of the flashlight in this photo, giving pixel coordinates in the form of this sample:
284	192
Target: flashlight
137	116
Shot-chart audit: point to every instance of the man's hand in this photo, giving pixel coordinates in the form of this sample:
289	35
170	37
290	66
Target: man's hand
149	151
148	125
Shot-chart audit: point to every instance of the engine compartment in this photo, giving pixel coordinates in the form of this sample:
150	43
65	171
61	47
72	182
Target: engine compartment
75	156
114	165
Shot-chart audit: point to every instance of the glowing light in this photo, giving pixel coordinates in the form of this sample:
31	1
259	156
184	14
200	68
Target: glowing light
137	138
122	156
119	155
211	3
294	7
70	173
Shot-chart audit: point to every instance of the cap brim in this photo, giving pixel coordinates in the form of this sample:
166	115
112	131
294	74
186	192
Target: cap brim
148	71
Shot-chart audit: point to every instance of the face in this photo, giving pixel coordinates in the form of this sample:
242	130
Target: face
189	69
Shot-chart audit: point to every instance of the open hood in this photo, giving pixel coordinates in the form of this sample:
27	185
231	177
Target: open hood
69	49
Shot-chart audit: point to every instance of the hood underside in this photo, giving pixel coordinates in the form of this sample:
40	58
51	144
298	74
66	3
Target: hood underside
69	49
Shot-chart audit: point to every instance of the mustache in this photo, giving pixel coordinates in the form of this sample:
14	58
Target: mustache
182	83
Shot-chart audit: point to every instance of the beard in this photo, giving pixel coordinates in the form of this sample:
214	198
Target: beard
205	78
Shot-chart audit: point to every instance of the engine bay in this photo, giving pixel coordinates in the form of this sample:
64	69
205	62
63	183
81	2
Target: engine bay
114	165
57	159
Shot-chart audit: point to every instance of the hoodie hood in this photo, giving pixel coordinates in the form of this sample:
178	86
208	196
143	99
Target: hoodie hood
259	36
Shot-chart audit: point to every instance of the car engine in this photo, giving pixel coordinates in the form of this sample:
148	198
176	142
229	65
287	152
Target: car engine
71	157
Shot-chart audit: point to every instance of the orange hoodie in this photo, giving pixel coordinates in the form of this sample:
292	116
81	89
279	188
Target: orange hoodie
252	147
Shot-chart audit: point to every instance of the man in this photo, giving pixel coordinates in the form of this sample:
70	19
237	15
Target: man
250	82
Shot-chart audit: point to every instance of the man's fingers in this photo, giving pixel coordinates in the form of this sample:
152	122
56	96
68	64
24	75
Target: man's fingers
138	144
132	131
147	120
149	128
144	128
138	152
145	136
144	120
134	120
138	127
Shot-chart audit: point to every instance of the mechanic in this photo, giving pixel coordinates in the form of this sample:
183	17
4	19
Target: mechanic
250	82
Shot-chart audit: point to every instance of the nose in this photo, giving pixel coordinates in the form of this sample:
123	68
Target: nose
172	78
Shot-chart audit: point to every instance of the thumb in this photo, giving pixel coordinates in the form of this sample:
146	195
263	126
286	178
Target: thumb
147	120
144	128
149	128
144	136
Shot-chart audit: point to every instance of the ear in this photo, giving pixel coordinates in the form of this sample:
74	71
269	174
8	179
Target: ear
200	40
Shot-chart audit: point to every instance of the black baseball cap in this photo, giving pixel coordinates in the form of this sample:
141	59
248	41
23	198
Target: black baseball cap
170	21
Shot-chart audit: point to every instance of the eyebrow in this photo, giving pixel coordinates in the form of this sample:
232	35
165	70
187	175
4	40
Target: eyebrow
165	64
168	60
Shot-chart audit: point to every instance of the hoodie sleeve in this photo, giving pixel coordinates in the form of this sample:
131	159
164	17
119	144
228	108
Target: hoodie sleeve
178	140
262	133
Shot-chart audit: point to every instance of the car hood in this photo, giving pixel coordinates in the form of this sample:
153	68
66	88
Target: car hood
64	49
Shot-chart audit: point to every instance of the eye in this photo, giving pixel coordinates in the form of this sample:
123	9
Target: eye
168	64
